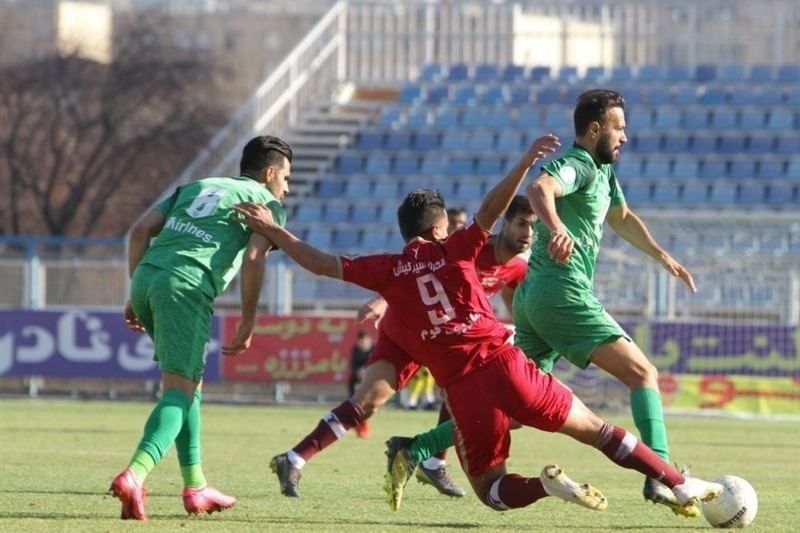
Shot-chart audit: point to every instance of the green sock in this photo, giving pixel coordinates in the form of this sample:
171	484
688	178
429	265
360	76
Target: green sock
648	415
187	444
160	430
433	441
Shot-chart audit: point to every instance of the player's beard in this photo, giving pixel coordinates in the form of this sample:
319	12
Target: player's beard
604	151
514	245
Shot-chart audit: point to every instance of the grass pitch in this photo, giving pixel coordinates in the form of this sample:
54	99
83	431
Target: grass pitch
57	459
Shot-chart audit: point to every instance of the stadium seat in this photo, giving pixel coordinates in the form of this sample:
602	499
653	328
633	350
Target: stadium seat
398	140
705	72
751	119
529	118
424	140
557	119
596	74
657	167
793	96
695	118
388	213
485	72
374	239
481	141
513	72
752	193
378	164
793	168
783	192
731	72
434	164
667	118
788	144
499	117
539	74
761	73
676	73
454	140
646	144
640	119
385	188
685	94
410	94
760	144
780	120
492	95
391	116
666	192
713	169
649	73
417	117
357	189
675	143
431	72
405	164
446	117
474	117
548	95
330	187
349	164
769	96
703	144
335	213
369	140
685	168
307	212
637	192
490	166
466	94
412	183
788	73
769	169
731	144
509	141
568	74
694	193
461	166
656	95
320	237
629	167
723	119
458	72
742	170
716	96
621	73
519	95
346	239
722	192
437	94
468	190
741	95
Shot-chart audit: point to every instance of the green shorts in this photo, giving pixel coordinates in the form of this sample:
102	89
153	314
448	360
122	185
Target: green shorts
177	317
554	318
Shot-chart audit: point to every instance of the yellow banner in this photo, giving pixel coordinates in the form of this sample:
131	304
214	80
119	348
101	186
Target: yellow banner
735	394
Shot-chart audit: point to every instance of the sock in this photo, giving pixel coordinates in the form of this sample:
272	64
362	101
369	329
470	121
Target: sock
513	491
648	416
331	428
432	441
434	463
187	444
628	452
444	416
160	430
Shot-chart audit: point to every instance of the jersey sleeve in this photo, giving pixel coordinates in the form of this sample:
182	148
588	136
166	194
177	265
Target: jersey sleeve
465	243
165	206
570	172
617	196
370	271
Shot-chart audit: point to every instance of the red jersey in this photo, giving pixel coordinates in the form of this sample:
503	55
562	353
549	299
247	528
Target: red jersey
441	313
495	275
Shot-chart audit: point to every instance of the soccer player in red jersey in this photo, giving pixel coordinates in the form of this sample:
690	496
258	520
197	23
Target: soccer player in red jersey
441	315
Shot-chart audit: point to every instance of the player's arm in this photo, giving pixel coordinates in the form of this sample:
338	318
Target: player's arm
259	219
630	227
507	295
499	198
542	193
372	311
143	231
252	277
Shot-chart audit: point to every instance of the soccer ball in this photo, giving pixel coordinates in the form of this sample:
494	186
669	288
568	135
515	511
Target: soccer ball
735	507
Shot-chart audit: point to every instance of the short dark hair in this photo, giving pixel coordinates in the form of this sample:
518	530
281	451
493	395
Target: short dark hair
519	205
420	211
263	151
592	106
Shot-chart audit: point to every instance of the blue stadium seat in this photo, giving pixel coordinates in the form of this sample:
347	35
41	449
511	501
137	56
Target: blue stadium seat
466	94
434	164
486	72
640	119
374	239
760	144
446	117
410	94
731	144
741	95
461	166
346	239
722	192
398	140
437	94
621	73
357	189
425	140
633	94
474	117
685	94
789	73
570	96
490	166
646	144
788	144
783	192
705	72
675	143
539	74
769	96
499	117
629	167
385	188
742	170
714	96
364	213
731	72
509	141
649	73
481	141
568	74
458	72
780	120
667	192
723	119
513	72
695	118
637	192
596	74
677	73
417	117
388	213
751	119
703	144
369	140
431	72
548	95
667	117
657	95
395	241
761	73
529	118
769	169
349	164
330	187
686	168
320	237
412	183
335	213
793	96
405	165
694	193
519	95
378	164
492	95
468	190
391	115
307	212
793	169
454	140
656	167
557	119
713	169
752	193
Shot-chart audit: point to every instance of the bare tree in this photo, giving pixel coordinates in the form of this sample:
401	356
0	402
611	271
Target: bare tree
85	147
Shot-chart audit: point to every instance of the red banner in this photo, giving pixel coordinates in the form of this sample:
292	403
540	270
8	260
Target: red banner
289	348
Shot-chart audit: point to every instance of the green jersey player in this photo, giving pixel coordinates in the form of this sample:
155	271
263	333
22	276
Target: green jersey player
195	252
556	312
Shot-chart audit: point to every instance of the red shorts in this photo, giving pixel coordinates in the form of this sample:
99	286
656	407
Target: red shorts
484	401
387	350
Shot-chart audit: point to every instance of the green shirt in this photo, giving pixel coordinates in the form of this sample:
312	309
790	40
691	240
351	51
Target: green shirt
200	242
589	191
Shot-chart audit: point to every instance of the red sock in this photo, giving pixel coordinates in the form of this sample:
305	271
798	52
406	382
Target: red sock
629	452
444	416
513	491
332	427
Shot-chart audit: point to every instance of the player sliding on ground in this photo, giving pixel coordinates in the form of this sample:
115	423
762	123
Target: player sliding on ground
444	319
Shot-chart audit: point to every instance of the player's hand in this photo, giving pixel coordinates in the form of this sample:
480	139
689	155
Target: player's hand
542	147
560	246
678	270
257	216
131	319
372	311
241	341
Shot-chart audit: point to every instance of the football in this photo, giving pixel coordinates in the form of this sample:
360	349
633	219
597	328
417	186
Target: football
736	507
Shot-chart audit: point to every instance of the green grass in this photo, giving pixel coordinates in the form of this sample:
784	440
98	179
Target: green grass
57	459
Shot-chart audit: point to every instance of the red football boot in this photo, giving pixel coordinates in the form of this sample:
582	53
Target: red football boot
206	499
132	493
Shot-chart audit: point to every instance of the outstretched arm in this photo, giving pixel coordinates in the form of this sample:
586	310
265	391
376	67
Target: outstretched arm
259	218
499	198
143	231
542	194
372	311
630	227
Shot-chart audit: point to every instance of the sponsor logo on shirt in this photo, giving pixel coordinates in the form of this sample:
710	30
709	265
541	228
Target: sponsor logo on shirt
182	226
568	174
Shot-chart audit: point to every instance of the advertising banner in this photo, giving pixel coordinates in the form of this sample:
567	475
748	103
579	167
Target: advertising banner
82	343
